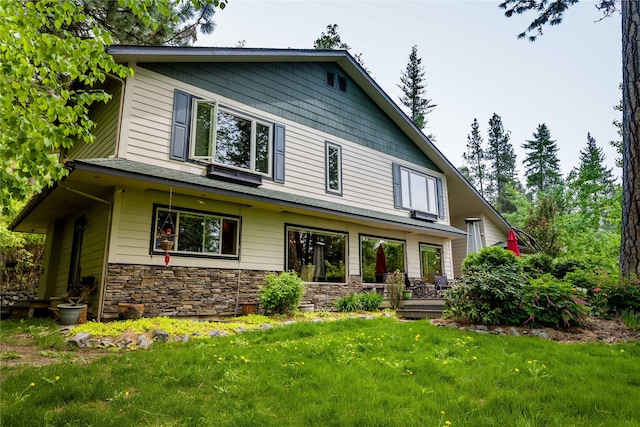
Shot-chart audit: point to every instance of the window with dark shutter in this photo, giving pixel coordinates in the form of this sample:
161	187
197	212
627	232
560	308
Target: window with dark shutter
181	123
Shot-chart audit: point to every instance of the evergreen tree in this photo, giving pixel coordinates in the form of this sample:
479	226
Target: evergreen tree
541	224
552	12
592	184
618	144
542	166
331	41
501	171
414	90
474	157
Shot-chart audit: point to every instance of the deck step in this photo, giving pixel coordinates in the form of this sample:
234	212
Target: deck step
414	313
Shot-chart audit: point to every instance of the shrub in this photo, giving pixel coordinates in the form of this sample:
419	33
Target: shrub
551	302
370	301
564	266
490	258
394	284
367	301
622	296
347	303
535	265
489	295
282	293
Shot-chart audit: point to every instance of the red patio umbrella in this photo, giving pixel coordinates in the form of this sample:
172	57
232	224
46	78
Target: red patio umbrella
512	243
381	262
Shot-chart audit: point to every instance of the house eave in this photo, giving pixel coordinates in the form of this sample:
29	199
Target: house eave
120	173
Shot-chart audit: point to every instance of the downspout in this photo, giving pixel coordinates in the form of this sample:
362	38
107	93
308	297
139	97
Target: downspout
103	280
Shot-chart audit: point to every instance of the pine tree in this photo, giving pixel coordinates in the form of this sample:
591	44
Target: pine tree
501	171
414	90
331	41
542	166
474	157
592	184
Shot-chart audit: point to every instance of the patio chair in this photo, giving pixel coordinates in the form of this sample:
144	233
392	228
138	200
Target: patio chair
441	282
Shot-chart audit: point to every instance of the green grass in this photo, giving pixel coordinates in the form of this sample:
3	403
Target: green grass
344	373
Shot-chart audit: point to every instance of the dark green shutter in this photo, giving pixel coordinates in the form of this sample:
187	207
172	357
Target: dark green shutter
397	189
180	128
278	153
440	197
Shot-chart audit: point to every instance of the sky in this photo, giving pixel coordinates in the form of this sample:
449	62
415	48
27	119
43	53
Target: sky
474	64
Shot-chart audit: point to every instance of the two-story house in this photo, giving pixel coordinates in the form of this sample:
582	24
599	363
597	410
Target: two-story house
249	161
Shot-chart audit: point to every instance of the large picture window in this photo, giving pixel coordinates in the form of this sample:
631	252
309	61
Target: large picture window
316	255
430	262
231	139
195	232
379	256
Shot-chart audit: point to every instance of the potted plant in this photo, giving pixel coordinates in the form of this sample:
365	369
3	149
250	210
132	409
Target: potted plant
73	311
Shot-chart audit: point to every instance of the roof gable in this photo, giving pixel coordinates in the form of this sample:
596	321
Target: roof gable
298	92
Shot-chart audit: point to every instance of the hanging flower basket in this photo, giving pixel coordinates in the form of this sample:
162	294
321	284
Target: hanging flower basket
166	244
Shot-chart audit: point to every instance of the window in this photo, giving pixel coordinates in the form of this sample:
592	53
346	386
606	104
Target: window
197	233
336	82
231	139
237	146
430	262
333	168
331	79
316	255
417	191
342	84
379	256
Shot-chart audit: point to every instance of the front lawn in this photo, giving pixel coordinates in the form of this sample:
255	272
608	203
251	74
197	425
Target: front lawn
354	372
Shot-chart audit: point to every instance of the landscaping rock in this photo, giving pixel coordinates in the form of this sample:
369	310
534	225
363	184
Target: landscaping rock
452	325
499	330
480	331
241	330
185	338
289	322
513	332
160	335
482	328
196	334
266	326
317	321
541	333
214	333
81	339
143	342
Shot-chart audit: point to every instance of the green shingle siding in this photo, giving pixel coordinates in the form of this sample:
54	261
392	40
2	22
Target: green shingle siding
298	92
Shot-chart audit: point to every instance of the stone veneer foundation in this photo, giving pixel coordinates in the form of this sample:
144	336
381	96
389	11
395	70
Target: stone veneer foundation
192	291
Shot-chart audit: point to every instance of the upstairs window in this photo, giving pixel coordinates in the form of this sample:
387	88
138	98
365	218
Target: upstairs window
333	168
231	139
417	191
236	145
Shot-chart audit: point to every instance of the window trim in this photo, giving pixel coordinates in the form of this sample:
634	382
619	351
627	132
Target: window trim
398	193
328	145
361	235
207	255
287	226
431	245
255	121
